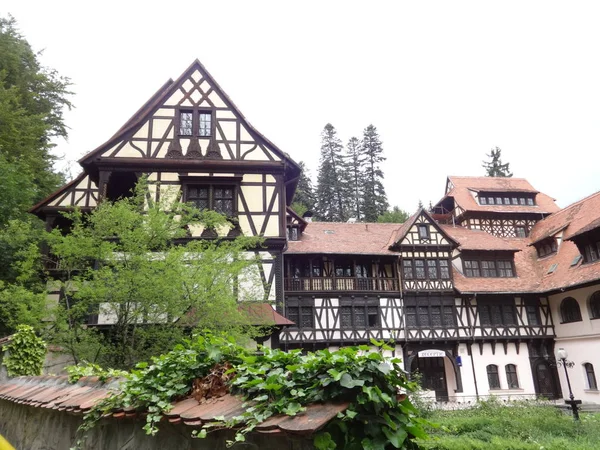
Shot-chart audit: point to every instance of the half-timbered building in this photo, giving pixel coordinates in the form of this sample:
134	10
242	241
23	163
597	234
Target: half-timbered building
475	294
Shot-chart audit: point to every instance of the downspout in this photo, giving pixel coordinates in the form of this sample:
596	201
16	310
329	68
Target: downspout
472	327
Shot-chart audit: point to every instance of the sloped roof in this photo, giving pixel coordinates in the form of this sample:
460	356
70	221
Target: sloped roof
406	226
463	186
479	240
263	314
345	238
52	392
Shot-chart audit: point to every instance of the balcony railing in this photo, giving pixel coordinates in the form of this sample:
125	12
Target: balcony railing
341	284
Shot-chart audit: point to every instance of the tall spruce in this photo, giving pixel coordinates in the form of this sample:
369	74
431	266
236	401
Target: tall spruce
304	197
331	185
354	169
494	167
374	198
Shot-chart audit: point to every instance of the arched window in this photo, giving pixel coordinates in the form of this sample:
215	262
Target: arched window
595	305
591	376
569	310
511	376
493	379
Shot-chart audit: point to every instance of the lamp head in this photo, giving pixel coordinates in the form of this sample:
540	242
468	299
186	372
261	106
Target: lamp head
562	353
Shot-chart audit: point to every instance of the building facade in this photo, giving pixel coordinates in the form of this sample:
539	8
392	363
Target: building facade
476	294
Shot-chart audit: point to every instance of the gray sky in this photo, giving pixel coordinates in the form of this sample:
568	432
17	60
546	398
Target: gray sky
443	81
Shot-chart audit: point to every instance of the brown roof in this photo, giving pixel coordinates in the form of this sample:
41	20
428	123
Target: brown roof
462	187
263	314
345	238
479	240
56	393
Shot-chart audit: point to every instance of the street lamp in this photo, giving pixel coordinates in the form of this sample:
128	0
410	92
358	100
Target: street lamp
562	356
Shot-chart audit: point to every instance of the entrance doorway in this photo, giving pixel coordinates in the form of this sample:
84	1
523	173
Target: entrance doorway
433	376
545	380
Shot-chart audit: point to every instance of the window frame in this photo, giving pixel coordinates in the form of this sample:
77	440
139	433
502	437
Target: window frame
413	309
594	305
424	231
303	308
506	308
512	377
488	266
409	265
364	310
572	315
196	112
590	376
493	376
212	182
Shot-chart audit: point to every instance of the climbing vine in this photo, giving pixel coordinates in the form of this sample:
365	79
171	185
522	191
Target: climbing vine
379	417
26	353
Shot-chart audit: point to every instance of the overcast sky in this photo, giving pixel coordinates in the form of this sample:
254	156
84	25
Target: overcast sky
443	82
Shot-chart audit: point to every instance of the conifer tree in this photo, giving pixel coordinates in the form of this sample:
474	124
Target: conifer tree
354	173
331	187
304	197
494	167
374	199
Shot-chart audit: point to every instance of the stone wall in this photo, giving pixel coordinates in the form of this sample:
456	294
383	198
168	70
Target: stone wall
32	428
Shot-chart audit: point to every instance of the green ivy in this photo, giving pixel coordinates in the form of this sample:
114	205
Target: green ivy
278	382
26	353
87	369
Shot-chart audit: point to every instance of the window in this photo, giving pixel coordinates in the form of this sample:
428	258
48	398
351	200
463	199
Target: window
546	247
511	376
292	233
595	305
220	198
488	268
591	252
195	123
590	376
532	309
506	199
425	269
423	231
302	316
359	316
429	312
493	378
520	231
569	310
482	201
497	312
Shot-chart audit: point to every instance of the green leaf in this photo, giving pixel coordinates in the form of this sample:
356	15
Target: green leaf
323	441
396	437
349	383
384	368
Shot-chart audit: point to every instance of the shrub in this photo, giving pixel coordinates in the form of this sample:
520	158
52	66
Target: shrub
26	353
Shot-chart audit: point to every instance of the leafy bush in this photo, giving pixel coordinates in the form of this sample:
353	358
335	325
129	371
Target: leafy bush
87	369
26	353
278	382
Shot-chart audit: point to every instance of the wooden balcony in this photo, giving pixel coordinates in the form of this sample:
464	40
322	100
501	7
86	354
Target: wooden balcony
341	284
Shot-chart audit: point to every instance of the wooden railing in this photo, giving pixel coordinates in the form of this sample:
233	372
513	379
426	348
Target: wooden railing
341	284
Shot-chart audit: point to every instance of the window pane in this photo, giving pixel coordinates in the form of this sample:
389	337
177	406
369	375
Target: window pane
346	316
292	314
530	201
411	316
591	376
444	270
432	270
424	231
204	126
511	376
506	200
493	379
488	268
373	316
521	201
419	269
508	315
359	317
307	319
482	201
185	123
436	316
423	312
407	269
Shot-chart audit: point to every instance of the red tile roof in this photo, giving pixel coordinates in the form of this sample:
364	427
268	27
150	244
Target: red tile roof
479	240
463	186
56	393
345	238
263	314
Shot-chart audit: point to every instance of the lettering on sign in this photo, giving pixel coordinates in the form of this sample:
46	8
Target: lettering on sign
432	354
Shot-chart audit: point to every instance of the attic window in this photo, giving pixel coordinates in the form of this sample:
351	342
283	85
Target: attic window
552	268
506	199
576	260
423	231
329	232
546	247
193	122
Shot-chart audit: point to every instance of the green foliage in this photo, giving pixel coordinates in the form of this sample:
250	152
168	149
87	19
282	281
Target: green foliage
26	353
494	167
87	369
396	215
518	425
331	192
374	199
277	382
19	305
130	260
304	197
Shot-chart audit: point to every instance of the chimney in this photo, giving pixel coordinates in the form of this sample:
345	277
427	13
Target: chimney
307	216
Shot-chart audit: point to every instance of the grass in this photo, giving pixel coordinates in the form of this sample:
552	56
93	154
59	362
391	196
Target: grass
520	426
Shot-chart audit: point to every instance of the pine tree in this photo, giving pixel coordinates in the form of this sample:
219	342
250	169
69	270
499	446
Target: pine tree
420	205
331	187
304	197
354	169
374	199
494	167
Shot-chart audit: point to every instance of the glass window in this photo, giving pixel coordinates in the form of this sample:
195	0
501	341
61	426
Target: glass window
423	231
482	201
498	200
514	200
505	269
569	310
488	268
444	270
419	269
223	200
511	376
533	312
292	313
407	269
432	272
493	378
506	200
496	313
520	231
185	123
530	201
521	201
472	268
595	305
490	200
307	319
591	376
204	128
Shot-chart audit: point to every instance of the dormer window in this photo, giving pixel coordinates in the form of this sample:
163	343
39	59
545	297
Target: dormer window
423	231
546	247
195	123
488	266
506	199
293	233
